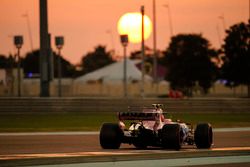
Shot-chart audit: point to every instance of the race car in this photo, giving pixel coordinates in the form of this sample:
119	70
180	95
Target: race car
148	127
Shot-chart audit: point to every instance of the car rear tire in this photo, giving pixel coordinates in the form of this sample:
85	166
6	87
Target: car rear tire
110	136
171	136
203	135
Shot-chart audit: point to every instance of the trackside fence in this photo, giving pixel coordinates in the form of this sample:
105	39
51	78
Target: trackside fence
27	105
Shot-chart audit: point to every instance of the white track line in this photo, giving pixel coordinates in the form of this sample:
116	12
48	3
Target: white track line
164	162
48	133
243	129
112	153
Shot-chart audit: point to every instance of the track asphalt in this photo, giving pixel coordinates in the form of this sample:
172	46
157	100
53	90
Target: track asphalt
242	129
74	149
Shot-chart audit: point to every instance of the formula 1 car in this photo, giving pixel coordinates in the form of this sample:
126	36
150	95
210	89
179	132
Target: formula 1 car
152	129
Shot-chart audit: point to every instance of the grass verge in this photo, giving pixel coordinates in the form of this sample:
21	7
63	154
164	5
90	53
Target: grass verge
92	121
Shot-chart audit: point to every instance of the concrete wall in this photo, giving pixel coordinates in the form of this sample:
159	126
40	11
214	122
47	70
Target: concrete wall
31	88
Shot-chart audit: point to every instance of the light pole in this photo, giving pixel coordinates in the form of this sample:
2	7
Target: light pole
170	20
18	41
223	21
111	39
222	18
218	33
142	52
44	50
59	41
26	15
124	41
154	43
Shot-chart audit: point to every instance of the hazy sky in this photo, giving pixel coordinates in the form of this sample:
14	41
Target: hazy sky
87	23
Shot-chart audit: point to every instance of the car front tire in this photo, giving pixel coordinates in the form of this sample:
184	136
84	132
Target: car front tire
203	135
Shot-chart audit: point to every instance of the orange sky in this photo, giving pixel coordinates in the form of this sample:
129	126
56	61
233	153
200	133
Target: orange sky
87	23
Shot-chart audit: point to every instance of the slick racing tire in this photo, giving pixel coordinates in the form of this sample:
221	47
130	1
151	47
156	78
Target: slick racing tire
203	135
171	136
110	136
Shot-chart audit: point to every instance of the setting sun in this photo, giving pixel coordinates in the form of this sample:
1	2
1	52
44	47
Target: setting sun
130	24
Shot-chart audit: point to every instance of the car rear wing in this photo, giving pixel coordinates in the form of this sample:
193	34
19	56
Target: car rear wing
153	108
137	116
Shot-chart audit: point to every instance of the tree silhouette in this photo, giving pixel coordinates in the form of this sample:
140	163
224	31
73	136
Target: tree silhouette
96	59
188	63
7	62
30	64
236	68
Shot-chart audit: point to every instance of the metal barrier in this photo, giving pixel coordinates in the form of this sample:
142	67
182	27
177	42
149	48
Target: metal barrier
73	104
